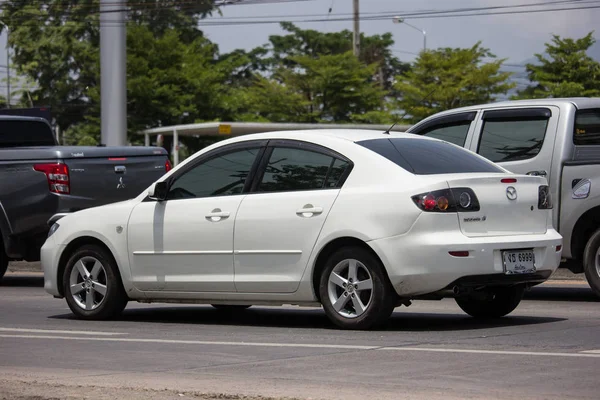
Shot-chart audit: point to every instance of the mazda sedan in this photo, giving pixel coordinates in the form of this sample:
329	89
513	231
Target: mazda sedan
359	222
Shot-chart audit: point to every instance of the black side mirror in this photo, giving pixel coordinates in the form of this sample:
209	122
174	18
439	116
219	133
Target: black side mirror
159	191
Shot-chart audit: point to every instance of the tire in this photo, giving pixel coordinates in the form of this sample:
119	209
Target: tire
230	307
101	306
3	263
591	262
377	303
492	303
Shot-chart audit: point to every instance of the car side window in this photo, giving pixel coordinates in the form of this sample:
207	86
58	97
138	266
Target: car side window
292	169
223	175
512	139
454	133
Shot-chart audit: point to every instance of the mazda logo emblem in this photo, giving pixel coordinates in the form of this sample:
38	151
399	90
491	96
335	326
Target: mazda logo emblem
511	193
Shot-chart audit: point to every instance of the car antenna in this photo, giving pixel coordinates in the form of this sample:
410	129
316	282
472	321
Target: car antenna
387	132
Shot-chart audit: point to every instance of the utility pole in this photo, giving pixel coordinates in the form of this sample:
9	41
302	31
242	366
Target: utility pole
113	80
356	37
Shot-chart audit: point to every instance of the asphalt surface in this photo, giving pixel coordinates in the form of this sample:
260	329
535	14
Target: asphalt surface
548	348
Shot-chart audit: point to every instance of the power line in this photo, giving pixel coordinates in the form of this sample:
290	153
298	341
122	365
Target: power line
573	5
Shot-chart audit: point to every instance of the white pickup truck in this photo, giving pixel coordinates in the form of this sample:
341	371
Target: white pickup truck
555	138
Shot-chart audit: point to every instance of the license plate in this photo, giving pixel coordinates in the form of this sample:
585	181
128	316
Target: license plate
518	262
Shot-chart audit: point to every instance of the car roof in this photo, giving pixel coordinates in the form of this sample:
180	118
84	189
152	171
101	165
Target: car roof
579	102
352	135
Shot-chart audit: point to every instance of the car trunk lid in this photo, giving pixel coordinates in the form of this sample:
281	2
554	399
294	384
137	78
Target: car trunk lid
508	205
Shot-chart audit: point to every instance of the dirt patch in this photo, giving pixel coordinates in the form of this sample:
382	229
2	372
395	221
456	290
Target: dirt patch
20	390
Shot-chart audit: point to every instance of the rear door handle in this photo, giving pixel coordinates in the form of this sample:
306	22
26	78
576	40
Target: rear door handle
217	215
538	173
308	211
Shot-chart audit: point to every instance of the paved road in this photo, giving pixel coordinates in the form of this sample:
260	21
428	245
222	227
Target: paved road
549	348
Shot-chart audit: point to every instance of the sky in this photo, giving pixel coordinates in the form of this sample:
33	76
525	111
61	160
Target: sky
515	37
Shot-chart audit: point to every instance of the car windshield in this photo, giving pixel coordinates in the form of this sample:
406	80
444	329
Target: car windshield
428	157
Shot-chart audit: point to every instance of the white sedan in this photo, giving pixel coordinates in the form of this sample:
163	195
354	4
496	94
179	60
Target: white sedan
356	221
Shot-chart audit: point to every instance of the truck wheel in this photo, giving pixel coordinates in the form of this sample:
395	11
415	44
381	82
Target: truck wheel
3	263
92	284
591	262
355	291
493	303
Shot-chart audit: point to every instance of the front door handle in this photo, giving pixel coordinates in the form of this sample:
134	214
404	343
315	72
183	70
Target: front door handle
217	215
309	211
538	173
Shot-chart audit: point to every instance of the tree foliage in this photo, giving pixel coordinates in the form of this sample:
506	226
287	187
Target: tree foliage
565	70
330	88
374	50
448	78
56	45
176	75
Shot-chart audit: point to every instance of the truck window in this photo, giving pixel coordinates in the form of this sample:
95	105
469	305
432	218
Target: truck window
512	139
25	133
456	134
587	127
452	128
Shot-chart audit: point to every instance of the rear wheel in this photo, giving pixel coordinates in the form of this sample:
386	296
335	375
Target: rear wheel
491	303
92	284
591	262
355	291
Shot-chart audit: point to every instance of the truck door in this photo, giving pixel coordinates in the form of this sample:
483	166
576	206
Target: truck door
520	139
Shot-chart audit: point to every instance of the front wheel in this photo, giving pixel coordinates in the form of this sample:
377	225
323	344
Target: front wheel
355	291
491	303
591	262
92	284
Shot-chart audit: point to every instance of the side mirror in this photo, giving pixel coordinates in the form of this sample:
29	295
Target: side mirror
158	191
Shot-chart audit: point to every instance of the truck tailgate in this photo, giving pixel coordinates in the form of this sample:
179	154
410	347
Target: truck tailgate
105	176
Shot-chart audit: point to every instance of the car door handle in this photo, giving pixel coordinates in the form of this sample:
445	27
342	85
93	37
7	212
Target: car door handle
217	215
308	211
538	173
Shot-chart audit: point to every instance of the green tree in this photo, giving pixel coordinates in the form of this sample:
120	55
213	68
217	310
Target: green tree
375	49
56	45
448	78
169	82
564	71
330	88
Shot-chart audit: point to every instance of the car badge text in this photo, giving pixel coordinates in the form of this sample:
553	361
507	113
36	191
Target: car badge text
475	219
121	184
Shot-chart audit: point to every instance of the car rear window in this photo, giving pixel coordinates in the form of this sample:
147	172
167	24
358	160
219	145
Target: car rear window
17	133
587	127
428	157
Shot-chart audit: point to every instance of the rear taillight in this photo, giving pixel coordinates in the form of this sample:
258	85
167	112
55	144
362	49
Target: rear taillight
57	175
448	200
168	165
544	198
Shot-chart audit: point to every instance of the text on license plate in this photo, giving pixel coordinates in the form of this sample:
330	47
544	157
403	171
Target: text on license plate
518	262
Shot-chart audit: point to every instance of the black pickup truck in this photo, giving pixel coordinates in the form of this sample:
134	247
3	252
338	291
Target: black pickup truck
41	181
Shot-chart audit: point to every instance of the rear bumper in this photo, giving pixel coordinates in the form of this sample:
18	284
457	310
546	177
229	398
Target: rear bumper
420	264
